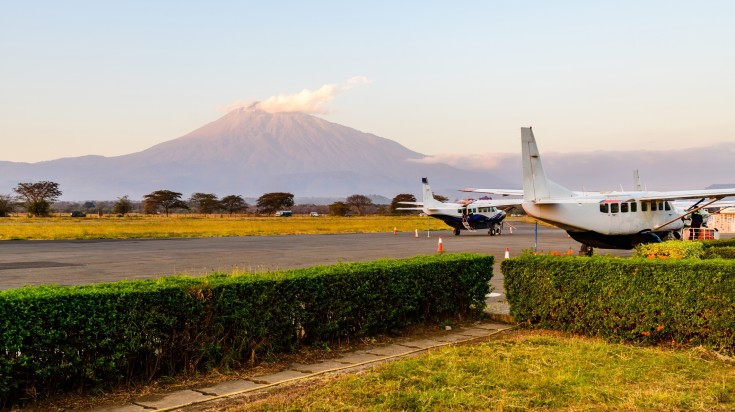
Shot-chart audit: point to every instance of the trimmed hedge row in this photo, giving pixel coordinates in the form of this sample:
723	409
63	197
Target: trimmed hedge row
688	301
56	339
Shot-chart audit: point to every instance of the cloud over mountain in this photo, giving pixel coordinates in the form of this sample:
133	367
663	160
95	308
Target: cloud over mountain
306	101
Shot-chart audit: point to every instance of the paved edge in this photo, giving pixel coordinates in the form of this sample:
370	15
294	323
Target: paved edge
190	397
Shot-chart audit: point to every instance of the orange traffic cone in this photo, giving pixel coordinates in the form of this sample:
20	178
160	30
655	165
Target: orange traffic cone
440	247
507	253
395	230
510	229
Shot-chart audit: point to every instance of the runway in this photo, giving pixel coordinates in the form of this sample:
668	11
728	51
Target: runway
79	262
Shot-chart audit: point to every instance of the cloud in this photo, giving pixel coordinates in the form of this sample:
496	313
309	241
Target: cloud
306	101
482	161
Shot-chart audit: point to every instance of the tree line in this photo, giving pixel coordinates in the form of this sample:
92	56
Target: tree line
37	198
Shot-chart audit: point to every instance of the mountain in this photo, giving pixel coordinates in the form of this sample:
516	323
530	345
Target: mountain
250	152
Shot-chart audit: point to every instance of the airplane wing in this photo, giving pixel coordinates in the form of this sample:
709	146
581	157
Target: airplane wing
688	194
504	192
411	203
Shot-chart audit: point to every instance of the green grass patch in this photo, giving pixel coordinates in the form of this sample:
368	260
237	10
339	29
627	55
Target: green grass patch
531	370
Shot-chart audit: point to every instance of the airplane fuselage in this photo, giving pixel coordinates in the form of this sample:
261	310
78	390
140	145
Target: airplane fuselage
611	223
476	217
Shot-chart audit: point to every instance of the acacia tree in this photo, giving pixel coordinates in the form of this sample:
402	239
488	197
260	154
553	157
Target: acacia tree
123	206
338	209
165	199
205	203
270	202
441	198
7	205
396	203
38	196
233	203
359	202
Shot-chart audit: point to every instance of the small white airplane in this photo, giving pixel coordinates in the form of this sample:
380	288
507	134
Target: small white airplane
471	215
608	220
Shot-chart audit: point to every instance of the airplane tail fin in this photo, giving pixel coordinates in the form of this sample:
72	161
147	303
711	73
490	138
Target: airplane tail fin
535	184
428	195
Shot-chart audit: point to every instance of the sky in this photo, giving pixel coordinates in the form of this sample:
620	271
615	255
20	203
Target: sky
454	80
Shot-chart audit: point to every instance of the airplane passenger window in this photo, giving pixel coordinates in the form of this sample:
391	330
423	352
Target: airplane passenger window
644	206
624	207
653	206
660	205
614	207
603	207
634	207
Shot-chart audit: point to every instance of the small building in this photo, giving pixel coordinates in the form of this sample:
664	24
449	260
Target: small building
724	221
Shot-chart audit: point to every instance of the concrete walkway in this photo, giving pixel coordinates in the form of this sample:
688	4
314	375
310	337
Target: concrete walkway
181	399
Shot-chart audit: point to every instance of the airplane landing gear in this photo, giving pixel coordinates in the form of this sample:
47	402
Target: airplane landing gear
586	250
456	232
495	230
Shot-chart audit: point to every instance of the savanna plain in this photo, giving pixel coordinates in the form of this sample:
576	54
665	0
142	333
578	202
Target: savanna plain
522	370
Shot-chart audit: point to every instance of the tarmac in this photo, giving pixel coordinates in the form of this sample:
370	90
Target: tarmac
206	395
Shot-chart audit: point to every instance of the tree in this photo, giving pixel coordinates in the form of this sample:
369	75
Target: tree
7	205
123	206
395	204
165	199
233	203
205	203
441	198
338	209
38	196
359	202
270	202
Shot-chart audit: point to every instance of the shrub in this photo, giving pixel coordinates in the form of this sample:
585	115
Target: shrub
56	339
723	252
687	301
675	249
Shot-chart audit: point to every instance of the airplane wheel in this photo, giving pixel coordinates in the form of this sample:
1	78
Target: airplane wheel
456	232
491	232
498	231
586	250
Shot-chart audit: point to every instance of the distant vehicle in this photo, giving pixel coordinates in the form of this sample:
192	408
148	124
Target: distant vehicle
78	214
284	213
315	214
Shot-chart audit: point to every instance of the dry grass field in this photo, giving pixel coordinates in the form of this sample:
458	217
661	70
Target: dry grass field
111	227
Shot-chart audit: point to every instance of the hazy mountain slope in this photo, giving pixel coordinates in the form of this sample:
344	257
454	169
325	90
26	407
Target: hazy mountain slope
250	152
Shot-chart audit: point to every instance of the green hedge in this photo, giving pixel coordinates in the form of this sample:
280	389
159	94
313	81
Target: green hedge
721	252
57	339
689	301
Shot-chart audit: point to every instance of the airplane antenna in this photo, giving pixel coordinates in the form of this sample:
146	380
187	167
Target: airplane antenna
621	188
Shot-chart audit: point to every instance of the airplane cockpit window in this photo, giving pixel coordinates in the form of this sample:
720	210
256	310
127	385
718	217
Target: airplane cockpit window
667	206
624	207
603	207
614	207
634	207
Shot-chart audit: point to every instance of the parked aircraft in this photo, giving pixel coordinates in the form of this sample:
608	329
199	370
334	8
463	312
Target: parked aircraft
608	220
471	215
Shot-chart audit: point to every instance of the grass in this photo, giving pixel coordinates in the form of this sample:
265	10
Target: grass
110	227
528	371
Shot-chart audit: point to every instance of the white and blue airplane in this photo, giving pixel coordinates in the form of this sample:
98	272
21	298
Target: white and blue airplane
471	215
608	220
